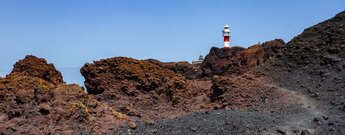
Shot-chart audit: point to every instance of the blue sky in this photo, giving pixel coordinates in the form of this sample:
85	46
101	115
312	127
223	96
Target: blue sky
70	33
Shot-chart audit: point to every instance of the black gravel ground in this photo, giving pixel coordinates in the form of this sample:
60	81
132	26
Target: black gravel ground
307	117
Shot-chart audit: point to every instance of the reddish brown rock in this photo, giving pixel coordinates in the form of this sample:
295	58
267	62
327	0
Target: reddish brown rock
132	125
238	60
35	102
141	89
38	67
43	110
244	92
108	74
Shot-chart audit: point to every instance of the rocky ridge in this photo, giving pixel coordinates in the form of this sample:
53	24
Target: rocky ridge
236	61
34	100
271	88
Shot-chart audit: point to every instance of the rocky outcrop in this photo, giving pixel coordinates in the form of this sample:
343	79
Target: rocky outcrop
133	86
110	73
34	100
189	71
238	60
37	67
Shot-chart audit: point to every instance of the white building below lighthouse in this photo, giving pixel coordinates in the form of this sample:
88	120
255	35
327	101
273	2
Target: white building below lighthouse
226	35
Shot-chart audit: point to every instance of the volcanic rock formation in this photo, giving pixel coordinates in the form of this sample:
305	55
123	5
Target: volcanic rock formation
313	64
108	73
38	67
142	89
238	60
34	100
314	60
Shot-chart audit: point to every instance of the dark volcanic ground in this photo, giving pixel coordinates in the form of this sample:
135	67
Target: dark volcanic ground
270	88
305	116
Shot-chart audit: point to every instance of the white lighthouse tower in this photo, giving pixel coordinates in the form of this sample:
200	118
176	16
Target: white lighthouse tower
226	35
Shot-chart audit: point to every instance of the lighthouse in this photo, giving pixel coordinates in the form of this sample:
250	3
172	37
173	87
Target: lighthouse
226	35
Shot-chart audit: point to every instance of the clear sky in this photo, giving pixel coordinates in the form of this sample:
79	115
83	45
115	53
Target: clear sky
70	33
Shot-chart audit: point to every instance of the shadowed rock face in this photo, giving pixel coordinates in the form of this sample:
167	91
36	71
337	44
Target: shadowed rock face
38	67
238	60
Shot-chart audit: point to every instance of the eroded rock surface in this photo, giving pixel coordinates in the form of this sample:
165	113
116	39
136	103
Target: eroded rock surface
143	89
237	60
38	67
34	100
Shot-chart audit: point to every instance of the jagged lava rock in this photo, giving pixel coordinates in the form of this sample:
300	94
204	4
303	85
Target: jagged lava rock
140	88
33	101
38	67
238	60
104	74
